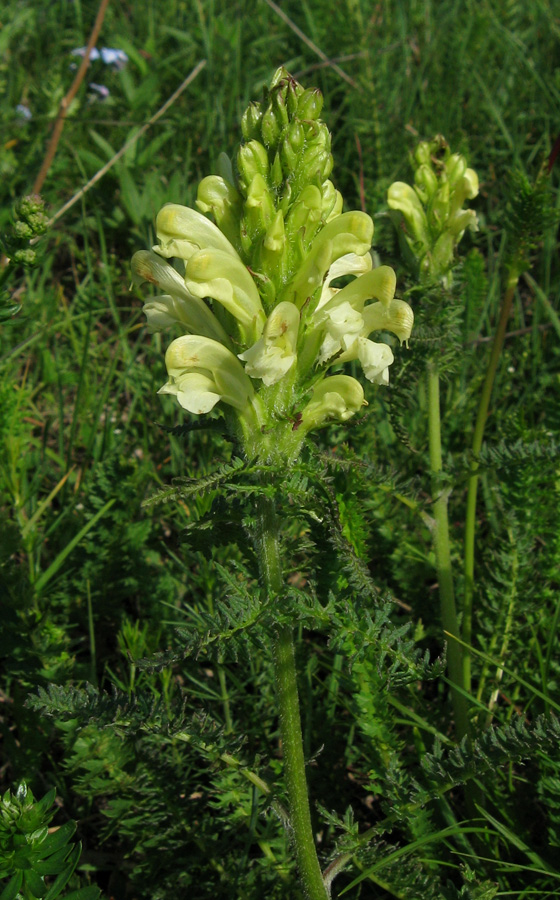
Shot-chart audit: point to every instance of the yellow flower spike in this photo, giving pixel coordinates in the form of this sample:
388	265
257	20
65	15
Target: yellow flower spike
432	212
268	273
274	353
182	231
202	372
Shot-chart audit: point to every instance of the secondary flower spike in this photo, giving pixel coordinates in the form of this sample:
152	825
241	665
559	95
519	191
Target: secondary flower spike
429	216
270	285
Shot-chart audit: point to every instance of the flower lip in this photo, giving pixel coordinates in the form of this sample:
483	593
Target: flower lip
274	354
349	264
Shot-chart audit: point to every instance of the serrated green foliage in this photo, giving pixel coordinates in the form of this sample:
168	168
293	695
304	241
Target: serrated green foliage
497	745
528	215
187	488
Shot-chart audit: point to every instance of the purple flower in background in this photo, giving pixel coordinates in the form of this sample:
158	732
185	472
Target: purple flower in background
107	55
99	89
24	112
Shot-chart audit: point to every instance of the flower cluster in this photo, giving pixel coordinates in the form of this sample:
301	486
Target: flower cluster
430	216
257	292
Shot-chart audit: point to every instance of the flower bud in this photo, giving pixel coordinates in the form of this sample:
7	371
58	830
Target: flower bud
455	168
316	165
251	122
441	257
337	398
306	211
219	197
252	159
259	206
293	94
279	106
425	183
288	156
22	230
275	238
271	129
465	189
440	205
296	135
276	172
310	104
331	203
403	198
423	154
281	74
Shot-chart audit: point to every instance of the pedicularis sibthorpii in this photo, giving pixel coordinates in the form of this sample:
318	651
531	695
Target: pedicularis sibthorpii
263	324
250	278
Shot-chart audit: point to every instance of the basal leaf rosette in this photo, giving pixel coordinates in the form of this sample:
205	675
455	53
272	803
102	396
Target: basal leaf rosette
270	285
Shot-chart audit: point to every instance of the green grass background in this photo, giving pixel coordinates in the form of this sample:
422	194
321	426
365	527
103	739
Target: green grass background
91	582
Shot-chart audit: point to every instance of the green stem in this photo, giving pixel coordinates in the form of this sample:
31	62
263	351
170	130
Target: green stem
470	520
290	721
443	556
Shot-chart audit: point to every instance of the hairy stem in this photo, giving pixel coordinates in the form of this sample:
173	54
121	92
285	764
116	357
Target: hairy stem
290	720
470	520
443	556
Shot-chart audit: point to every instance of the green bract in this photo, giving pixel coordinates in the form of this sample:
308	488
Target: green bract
255	292
429	216
36	859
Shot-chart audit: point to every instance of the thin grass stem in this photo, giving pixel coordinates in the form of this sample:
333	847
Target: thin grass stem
470	517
